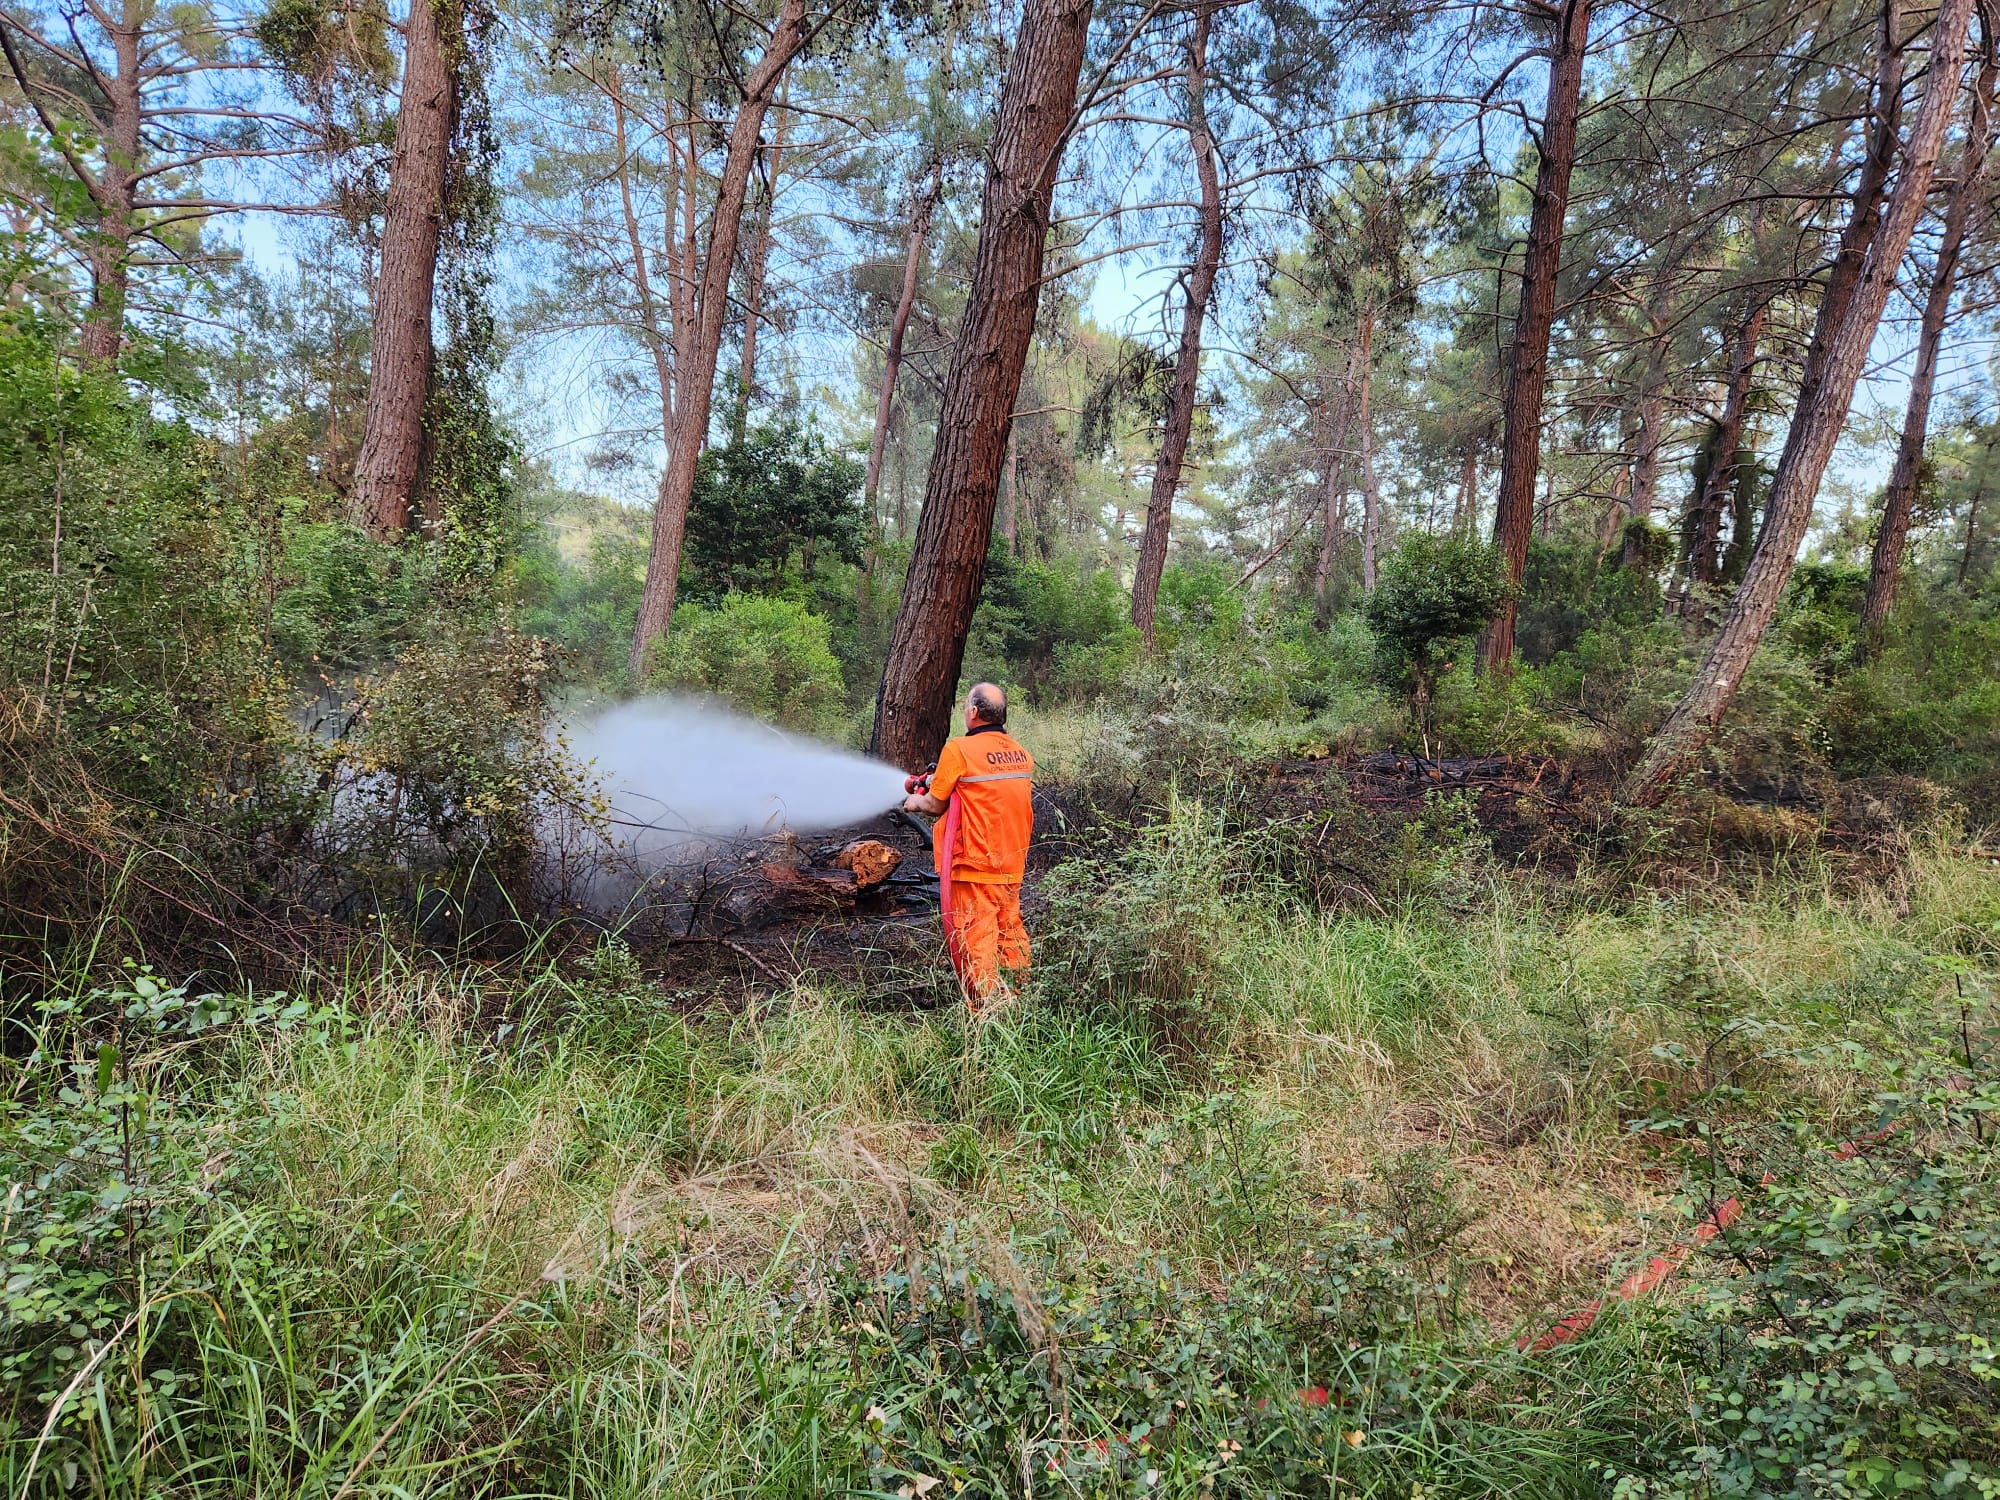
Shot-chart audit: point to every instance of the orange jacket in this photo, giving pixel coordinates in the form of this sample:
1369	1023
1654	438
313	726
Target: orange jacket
991	779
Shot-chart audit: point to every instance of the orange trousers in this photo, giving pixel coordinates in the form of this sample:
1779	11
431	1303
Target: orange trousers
984	936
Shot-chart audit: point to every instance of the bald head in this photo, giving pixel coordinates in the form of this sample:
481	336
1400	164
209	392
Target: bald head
986	704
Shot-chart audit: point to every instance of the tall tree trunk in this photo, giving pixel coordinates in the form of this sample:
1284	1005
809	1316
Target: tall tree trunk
1187	362
1646	454
1010	496
1886	567
658	342
1333	494
390	466
760	259
892	354
1371	492
1815	428
118	182
948	564
704	348
1465	509
1528	360
1705	560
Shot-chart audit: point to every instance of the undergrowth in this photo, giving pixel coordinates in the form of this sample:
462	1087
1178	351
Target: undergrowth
1244	1199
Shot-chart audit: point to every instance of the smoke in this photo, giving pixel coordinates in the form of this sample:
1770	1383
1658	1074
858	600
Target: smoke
683	775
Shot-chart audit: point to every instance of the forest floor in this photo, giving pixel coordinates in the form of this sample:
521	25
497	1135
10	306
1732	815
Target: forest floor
1254	1192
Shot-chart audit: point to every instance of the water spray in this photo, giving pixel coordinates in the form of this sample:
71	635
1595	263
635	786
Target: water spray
682	775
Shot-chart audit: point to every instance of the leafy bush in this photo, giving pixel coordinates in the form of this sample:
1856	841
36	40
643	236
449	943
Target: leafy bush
1434	591
1849	1344
441	786
124	1200
1570	588
1929	705
1057	629
343	599
1148	925
772	504
139	700
588	603
769	657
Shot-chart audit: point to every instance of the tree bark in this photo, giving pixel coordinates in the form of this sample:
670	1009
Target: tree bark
1705	559
1815	428
1465	509
948	563
1371	492
390	466
760	259
658	343
1885	569
704	348
899	323
1334	492
117	218
1527	364
1187	362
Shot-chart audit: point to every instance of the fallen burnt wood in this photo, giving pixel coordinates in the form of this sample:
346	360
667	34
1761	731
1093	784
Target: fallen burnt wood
870	860
729	886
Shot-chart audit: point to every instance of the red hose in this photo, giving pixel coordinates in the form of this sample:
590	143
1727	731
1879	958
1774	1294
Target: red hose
1572	1327
947	848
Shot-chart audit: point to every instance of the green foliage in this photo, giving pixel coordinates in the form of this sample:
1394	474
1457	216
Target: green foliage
1848	1346
1058	629
1569	589
111	1153
1147	925
343	599
1645	546
588	603
136	689
773	505
1929	705
1434	592
478	1228
951	1372
447	771
769	657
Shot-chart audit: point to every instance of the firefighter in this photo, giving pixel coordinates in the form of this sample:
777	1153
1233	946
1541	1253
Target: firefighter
982	796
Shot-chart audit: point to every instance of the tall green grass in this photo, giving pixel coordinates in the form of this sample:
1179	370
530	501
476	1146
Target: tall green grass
427	1231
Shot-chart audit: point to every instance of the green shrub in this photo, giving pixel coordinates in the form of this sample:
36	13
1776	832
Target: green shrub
1929	705
1434	591
140	702
1849	1344
769	657
343	599
584	596
1057	629
1570	588
772	505
1149	925
441	785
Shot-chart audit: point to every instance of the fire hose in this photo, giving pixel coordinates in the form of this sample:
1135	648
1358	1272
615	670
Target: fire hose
945	847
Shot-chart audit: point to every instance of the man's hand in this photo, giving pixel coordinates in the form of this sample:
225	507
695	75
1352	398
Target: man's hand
925	803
